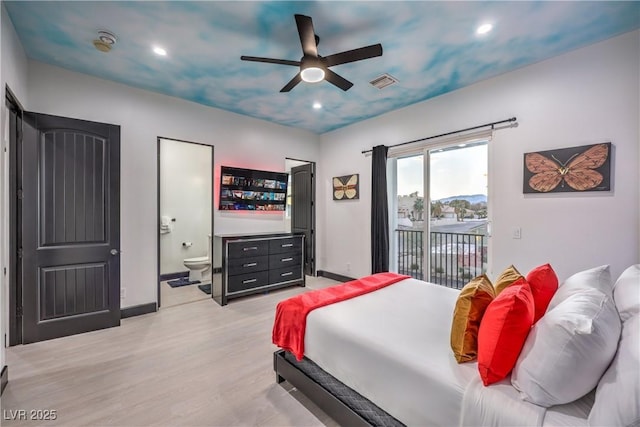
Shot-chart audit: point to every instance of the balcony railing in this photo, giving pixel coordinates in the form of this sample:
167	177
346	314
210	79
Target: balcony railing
455	258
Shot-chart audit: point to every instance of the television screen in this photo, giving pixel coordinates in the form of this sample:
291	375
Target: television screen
252	190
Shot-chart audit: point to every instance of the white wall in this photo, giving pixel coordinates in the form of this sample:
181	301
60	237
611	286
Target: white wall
583	97
143	116
13	72
185	195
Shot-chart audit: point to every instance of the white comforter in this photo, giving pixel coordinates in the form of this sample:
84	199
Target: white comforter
497	405
393	347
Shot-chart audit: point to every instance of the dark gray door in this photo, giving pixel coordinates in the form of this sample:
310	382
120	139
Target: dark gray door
303	211
70	237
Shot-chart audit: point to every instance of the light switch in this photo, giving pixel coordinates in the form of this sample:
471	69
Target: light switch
517	232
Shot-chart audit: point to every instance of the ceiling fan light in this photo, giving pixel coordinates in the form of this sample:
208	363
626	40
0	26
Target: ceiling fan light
312	74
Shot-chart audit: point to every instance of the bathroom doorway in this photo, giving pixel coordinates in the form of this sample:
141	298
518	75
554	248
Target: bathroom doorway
185	221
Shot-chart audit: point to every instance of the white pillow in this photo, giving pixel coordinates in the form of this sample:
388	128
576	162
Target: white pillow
594	278
626	292
568	350
618	393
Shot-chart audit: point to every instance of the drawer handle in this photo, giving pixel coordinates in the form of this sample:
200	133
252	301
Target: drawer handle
289	273
250	264
286	259
249	281
251	248
287	245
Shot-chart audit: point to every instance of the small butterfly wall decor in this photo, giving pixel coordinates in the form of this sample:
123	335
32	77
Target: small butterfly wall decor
575	169
346	187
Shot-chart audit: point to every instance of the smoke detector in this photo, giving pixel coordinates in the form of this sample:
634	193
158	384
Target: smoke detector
105	41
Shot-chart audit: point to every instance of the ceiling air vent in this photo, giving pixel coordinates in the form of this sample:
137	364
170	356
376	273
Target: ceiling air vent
383	81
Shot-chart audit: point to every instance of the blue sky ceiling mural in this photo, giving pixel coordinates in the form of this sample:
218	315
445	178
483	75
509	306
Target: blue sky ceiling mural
430	47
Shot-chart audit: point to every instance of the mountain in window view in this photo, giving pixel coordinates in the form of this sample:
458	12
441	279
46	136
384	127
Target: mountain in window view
472	198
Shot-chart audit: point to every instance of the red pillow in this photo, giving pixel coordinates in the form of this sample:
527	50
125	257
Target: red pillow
503	330
544	283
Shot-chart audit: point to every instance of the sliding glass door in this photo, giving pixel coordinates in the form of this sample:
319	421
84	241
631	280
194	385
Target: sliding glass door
408	216
440	235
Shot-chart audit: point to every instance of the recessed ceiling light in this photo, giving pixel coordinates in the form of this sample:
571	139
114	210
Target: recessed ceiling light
317	105
159	51
484	29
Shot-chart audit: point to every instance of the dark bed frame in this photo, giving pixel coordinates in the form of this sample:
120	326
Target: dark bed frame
334	407
329	403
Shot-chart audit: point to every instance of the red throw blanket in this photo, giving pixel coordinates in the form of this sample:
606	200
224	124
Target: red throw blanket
291	314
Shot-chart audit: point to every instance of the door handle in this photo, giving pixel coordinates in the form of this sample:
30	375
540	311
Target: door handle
114	252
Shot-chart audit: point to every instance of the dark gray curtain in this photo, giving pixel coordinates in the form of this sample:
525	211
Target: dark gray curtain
379	211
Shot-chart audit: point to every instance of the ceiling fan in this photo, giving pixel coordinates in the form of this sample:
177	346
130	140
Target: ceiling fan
313	67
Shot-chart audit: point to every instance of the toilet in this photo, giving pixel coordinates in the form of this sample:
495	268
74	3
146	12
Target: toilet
199	267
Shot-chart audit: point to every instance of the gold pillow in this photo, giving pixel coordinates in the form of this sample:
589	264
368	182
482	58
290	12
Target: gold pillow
507	277
470	307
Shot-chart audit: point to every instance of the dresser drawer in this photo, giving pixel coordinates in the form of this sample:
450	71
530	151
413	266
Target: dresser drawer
284	260
247	265
289	244
252	248
285	274
244	282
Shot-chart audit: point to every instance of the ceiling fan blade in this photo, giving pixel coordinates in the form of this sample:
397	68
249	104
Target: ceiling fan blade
270	60
353	55
307	35
337	80
294	81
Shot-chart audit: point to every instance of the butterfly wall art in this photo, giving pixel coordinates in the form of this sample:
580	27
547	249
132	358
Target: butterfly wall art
346	187
575	169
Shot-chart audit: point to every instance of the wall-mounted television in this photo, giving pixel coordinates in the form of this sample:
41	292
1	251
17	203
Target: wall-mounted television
252	190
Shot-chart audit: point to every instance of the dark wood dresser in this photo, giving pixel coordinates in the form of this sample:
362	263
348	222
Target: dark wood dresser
257	263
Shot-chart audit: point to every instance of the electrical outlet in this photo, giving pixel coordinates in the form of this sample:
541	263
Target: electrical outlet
517	233
123	293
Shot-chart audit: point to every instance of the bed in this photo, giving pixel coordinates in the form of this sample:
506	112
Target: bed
384	358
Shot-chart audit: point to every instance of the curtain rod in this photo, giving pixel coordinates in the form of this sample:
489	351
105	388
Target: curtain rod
512	119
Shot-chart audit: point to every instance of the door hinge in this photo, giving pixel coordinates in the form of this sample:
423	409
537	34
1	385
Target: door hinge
20	194
5	270
19	311
20	251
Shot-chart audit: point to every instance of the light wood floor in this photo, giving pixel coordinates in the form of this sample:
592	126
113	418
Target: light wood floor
170	297
195	364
